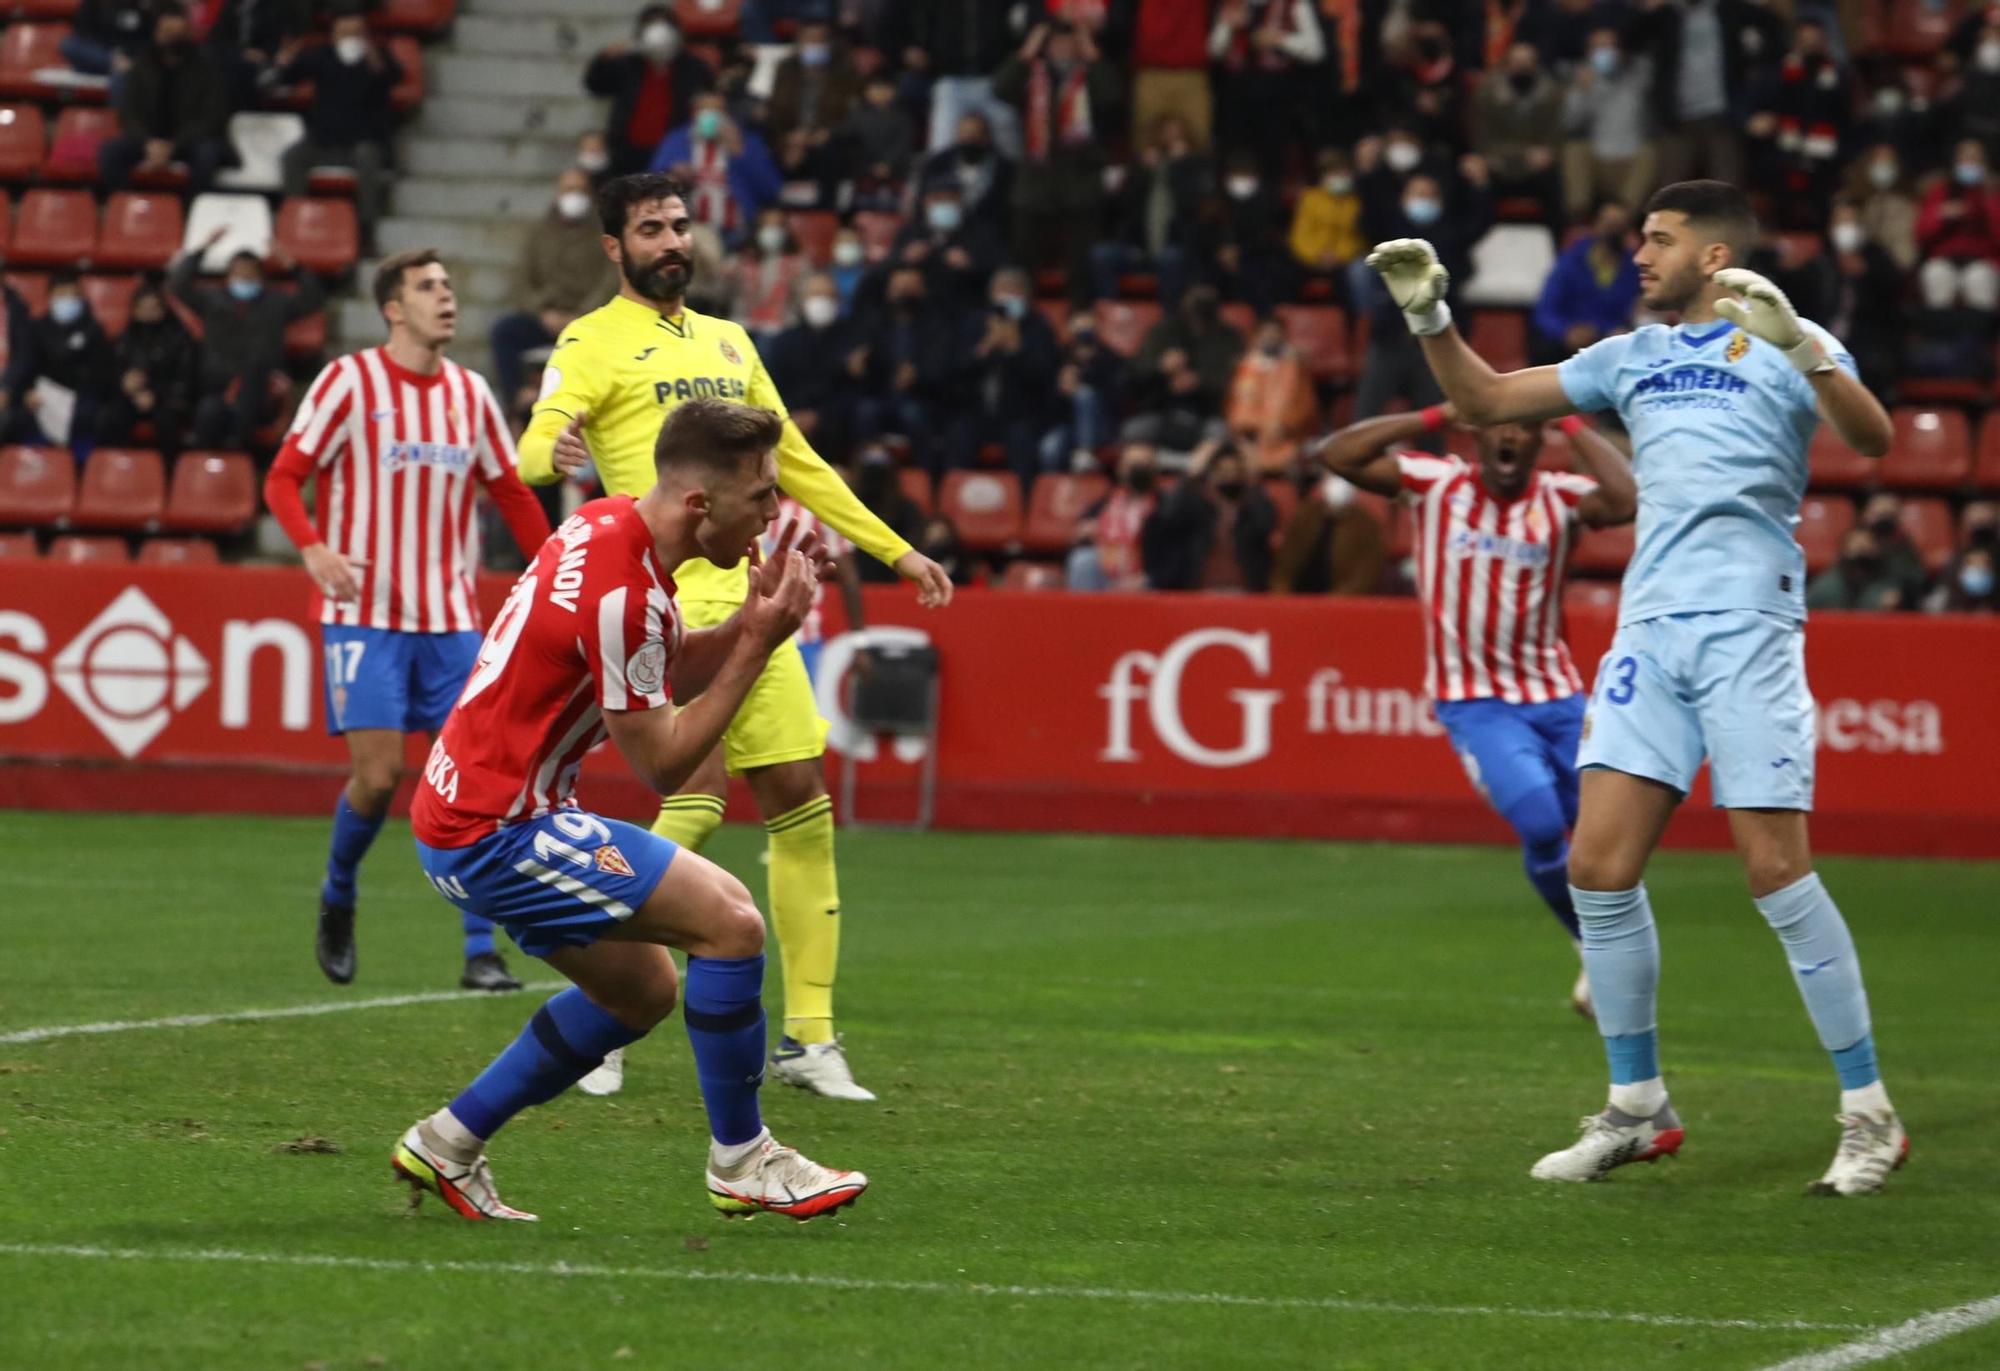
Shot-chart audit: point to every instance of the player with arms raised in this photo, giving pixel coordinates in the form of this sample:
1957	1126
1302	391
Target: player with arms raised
589	645
614	372
1709	658
1493	542
400	440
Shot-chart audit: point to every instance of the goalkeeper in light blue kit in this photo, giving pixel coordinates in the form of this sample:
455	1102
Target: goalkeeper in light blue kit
1709	658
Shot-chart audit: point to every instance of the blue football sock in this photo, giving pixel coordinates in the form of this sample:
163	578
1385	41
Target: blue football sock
1537	818
724	1009
1621	953
564	1042
353	831
1823	961
478	934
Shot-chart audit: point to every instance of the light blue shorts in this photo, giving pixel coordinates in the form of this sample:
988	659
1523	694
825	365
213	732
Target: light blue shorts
1728	686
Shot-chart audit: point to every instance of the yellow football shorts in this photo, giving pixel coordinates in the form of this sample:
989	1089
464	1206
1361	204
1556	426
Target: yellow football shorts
779	721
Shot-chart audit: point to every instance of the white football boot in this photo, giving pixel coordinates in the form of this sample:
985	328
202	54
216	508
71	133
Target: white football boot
819	1067
1579	997
607	1077
1871	1146
1611	1140
467	1189
775	1179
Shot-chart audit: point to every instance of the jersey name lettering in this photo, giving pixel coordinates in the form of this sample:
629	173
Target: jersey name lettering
575	536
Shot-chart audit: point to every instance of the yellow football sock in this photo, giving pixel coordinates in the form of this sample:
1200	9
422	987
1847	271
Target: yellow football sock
688	819
805	910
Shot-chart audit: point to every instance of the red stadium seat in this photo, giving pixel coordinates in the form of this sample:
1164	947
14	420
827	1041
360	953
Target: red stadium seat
1123	324
1056	312
1591	596
1023	575
985	507
79	131
814	230
916	484
46	9
1823	521
18	546
75	548
1986	470
140	230
708	18
1932	450
122	488
212	492
26	49
32	287
1501	337
409	92
1917	28
1603	550
37	486
878	230
23	141
54	228
110	300
1055	506
1928	522
415	16
323	235
178	552
1833	465
305	338
1240	317
1319	332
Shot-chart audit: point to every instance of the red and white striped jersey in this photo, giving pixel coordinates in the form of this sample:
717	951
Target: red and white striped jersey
1490	572
590	626
397	456
803	521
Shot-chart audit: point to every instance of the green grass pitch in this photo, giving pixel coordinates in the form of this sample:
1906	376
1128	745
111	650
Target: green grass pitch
1145	1103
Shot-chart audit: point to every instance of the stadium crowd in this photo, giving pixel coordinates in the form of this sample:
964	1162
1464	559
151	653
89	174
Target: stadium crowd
1117	243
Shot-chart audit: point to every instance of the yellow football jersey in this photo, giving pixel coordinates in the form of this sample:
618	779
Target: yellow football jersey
624	366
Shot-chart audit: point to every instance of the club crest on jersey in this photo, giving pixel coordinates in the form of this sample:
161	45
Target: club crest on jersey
1738	345
610	859
646	669
729	352
1538	522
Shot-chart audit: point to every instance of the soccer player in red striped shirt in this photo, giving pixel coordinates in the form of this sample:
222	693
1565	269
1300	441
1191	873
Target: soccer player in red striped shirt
400	442
1492	541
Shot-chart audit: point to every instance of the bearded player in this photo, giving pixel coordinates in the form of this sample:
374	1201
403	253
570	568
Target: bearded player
587	646
1709	658
1493	542
614	373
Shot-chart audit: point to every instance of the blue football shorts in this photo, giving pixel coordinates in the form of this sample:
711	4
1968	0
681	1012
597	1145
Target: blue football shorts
1510	751
381	678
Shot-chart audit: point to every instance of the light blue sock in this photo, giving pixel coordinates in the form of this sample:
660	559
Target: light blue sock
1621	954
1823	961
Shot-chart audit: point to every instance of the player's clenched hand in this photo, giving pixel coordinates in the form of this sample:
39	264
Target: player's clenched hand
571	455
1761	310
933	586
332	573
1416	281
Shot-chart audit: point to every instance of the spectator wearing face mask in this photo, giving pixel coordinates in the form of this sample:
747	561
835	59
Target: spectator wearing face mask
906	367
766	273
1106	554
1862	293
1153	216
1860	580
1241	237
814	87
1424	86
67	348
848	266
562	272
1608	121
880	137
593	157
651	84
1330	545
1958	233
726	168
349	122
1967	586
1592	290
1900	112
171	108
1090	393
154	363
1265	55
804	364
984	179
1800	120
1888	203
1009	373
959	255
243	339
1560	30
1449	207
1517	124
1213	530
1326	223
1272	407
1065	95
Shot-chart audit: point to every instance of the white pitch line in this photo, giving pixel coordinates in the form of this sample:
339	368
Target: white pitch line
1884	1343
296	1011
898	1287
